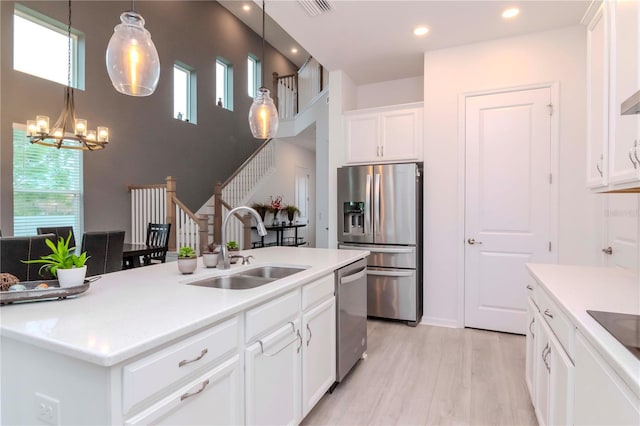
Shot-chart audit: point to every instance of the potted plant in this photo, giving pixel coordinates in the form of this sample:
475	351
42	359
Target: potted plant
210	256
274	207
232	246
291	212
63	263
187	260
261	208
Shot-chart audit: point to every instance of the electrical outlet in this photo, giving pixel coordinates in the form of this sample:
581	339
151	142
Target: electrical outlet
47	409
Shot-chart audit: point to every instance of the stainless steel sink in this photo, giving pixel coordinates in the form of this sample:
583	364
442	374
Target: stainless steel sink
233	282
273	272
250	278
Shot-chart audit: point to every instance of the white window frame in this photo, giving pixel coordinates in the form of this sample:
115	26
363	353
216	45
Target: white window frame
253	63
224	70
77	47
190	115
29	227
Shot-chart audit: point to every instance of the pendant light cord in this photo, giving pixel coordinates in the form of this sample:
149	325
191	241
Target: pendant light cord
69	48
264	62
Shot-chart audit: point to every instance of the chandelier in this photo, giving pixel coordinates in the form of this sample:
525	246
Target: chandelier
263	115
62	135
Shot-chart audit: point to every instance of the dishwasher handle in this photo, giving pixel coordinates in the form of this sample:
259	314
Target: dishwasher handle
391	273
346	279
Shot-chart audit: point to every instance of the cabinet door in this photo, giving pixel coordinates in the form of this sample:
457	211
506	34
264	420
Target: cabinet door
215	398
621	231
362	138
624	131
401	134
541	401
531	350
318	353
601	398
597	99
272	378
560	384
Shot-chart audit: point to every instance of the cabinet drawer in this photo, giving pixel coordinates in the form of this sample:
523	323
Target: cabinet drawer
557	321
271	314
151	374
532	290
317	291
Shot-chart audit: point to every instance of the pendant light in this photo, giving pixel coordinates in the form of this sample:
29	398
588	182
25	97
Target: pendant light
68	132
263	115
132	59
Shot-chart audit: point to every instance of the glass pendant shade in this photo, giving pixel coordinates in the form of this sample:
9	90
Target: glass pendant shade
263	116
132	59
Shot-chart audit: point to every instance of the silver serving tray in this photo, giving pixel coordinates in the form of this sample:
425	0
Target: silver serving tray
53	292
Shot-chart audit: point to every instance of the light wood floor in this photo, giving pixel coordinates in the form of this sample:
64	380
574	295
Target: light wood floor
432	375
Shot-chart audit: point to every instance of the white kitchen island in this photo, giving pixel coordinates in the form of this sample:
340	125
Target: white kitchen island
142	346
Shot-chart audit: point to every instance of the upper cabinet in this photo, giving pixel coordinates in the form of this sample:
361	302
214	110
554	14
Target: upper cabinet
382	135
613	150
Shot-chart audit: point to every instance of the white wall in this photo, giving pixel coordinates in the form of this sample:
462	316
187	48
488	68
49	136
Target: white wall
393	92
554	56
282	182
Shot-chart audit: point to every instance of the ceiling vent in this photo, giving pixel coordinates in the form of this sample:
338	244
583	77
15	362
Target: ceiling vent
317	7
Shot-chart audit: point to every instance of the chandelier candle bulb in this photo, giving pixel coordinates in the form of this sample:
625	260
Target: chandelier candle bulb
81	127
103	134
57	132
31	128
42	123
91	135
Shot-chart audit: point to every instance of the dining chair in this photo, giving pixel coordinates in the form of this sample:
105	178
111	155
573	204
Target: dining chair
105	249
59	231
13	250
157	236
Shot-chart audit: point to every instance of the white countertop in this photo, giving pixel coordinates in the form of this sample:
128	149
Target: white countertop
126	313
577	289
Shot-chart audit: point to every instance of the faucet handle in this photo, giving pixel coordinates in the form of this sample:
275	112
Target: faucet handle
246	259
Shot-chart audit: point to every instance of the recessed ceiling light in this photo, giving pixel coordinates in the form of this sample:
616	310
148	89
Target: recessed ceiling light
420	31
246	8
294	50
510	13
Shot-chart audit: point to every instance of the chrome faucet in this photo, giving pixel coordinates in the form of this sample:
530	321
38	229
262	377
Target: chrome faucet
223	262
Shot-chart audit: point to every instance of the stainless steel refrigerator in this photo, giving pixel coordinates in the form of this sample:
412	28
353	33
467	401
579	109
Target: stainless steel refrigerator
380	209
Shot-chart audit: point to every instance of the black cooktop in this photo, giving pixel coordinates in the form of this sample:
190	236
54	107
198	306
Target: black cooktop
624	327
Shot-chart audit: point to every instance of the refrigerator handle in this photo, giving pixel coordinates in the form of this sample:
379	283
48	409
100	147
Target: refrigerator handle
376	204
367	206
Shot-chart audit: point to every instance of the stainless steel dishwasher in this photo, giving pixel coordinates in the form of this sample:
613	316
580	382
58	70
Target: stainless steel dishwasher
351	312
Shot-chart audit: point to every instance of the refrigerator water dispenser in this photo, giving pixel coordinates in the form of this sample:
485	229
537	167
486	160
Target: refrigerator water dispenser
353	218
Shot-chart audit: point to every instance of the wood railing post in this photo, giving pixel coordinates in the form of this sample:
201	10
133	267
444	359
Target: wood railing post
171	211
203	225
246	235
274	91
217	213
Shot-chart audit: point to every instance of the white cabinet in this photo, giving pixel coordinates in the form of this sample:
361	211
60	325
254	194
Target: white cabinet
384	134
215	398
601	398
318	353
613	49
531	349
272	377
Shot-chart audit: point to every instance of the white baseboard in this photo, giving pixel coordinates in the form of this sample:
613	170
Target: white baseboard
440	322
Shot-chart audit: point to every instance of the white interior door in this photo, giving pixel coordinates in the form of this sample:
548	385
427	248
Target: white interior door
621	239
507	203
302	199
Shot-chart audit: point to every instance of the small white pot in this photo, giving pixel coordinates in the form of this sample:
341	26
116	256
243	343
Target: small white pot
71	277
210	260
187	265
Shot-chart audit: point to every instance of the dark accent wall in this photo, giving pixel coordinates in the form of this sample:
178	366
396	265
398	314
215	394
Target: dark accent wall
146	143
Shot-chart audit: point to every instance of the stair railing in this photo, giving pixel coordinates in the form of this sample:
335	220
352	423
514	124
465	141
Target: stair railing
286	96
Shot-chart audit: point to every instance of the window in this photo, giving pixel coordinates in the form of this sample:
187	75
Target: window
184	93
253	76
39	40
47	186
224	84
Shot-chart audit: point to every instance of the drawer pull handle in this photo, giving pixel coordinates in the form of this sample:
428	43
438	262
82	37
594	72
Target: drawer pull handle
189	395
548	313
185	362
293	330
310	335
529	287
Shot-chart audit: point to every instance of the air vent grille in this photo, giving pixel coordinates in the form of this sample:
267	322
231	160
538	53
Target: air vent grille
317	7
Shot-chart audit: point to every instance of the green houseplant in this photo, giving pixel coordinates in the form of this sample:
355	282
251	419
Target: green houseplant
187	260
63	263
261	208
291	212
232	246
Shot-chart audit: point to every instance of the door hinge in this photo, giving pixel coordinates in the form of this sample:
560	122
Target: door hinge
550	178
549	245
550	106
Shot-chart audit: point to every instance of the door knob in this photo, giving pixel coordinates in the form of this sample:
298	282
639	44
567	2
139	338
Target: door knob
608	250
472	241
